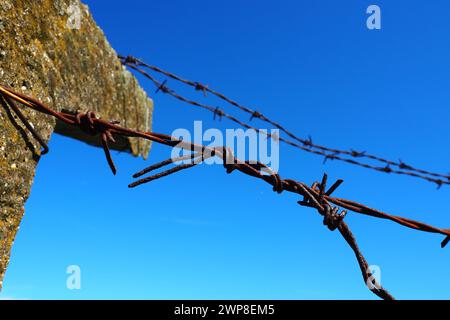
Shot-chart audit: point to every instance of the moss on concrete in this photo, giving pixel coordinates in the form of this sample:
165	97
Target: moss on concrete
69	69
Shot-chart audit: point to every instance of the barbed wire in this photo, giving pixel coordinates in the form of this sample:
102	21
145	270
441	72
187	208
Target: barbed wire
300	143
316	196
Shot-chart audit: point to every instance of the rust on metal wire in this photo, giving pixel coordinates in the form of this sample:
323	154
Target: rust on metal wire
349	156
316	196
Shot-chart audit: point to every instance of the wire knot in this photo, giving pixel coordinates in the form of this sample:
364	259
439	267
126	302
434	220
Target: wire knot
200	87
255	114
89	124
403	165
218	113
386	169
332	219
308	143
86	123
163	88
357	154
316	198
130	59
277	183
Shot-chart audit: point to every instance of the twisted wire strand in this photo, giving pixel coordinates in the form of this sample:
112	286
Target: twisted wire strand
317	196
303	144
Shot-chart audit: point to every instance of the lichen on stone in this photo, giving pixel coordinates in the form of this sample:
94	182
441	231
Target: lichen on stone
71	69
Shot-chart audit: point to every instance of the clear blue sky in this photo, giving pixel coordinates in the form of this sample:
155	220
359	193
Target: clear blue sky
201	234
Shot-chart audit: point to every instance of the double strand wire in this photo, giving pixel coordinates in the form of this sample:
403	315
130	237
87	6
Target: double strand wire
349	156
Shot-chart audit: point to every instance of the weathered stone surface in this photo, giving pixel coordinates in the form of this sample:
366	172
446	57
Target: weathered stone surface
44	54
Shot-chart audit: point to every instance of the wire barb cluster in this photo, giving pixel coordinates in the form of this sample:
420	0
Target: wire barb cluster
353	157
316	196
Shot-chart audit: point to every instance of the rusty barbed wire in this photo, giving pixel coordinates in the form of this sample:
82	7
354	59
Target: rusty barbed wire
299	143
316	196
